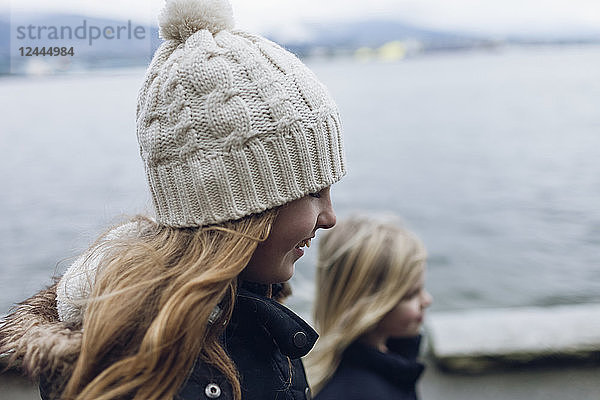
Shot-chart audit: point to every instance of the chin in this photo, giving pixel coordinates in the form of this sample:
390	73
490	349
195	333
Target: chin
411	332
286	276
282	275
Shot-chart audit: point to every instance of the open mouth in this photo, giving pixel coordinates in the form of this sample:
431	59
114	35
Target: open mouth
305	242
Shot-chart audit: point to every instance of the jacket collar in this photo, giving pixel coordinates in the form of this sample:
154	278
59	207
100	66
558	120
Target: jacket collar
396	368
294	337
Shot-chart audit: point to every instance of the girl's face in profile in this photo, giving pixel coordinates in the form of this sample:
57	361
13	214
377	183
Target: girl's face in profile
296	223
406	318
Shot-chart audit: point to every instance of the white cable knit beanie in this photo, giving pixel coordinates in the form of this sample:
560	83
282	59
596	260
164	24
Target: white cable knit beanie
229	123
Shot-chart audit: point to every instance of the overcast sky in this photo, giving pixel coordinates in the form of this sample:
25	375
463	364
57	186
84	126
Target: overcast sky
491	16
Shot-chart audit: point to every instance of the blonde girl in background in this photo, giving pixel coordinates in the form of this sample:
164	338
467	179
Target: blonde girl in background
369	308
240	143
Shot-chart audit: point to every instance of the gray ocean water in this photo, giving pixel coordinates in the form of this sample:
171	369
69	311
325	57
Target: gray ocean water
493	159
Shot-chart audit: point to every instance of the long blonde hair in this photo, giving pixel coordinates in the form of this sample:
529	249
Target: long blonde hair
366	265
147	318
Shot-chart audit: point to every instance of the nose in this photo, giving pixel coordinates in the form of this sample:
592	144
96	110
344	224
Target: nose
426	299
326	218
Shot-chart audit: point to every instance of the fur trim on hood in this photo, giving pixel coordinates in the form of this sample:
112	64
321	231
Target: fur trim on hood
75	286
33	339
42	335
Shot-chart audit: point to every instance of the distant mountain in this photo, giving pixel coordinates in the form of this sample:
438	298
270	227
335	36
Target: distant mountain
375	33
4	32
350	36
4	44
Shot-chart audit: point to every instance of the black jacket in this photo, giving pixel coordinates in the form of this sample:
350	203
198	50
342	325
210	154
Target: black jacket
265	341
368	374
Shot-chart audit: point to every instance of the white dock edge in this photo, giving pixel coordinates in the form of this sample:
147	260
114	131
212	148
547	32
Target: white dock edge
474	340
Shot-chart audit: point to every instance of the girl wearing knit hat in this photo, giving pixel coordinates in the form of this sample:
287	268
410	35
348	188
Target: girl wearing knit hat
240	143
369	309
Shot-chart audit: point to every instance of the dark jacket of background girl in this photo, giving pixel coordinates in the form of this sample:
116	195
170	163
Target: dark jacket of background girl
366	373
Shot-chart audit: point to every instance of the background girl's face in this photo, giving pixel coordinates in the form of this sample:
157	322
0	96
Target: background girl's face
406	318
296	223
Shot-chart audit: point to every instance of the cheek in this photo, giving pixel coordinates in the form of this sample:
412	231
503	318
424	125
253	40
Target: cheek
403	316
296	222
415	311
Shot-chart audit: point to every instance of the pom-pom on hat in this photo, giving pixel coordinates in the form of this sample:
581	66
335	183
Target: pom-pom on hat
181	18
229	123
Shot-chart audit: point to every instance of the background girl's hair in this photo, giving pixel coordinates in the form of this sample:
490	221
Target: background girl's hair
366	265
147	319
